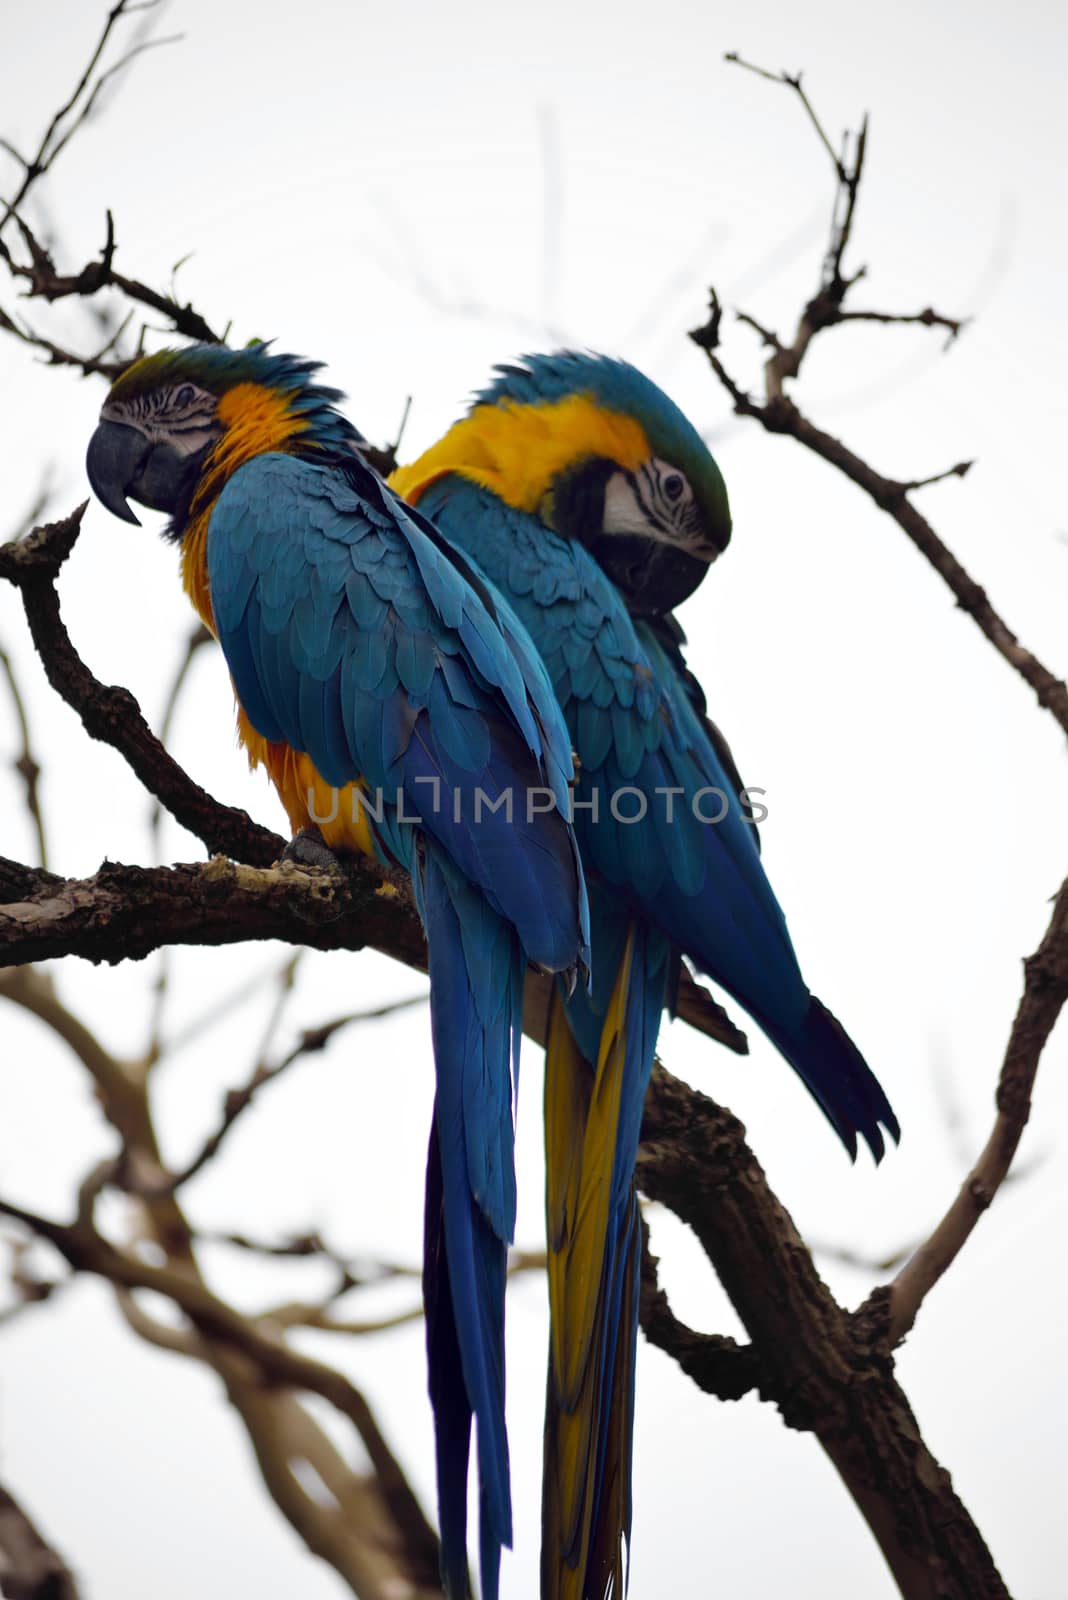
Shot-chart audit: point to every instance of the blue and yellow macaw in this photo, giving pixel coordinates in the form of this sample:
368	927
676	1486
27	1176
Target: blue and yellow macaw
588	498
380	680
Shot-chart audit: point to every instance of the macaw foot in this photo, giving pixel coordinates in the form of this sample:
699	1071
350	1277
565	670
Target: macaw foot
306	849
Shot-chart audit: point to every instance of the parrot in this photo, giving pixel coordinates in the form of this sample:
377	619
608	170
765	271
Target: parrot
385	687
588	498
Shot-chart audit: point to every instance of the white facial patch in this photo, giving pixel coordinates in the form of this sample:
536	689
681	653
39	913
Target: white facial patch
623	512
182	416
657	503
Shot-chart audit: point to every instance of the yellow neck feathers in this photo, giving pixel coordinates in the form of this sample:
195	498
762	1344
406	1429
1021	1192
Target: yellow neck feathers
255	420
518	451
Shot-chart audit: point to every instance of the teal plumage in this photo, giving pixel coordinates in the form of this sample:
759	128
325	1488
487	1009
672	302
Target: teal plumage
492	895
365	649
545	526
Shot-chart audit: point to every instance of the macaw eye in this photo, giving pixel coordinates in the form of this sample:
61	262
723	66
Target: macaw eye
674	484
185	396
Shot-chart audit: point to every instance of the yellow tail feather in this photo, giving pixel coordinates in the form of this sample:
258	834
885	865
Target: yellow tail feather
582	1107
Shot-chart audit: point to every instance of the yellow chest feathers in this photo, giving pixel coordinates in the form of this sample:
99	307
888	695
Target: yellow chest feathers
255	420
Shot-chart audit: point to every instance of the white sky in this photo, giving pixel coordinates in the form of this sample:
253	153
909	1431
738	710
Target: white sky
367	184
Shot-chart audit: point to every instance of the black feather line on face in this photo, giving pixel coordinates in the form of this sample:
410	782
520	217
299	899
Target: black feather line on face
577	503
652	575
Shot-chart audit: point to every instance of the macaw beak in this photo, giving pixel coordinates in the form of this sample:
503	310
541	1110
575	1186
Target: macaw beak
653	577
115	457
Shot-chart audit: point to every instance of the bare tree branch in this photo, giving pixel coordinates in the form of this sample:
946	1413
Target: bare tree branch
86	1251
384	460
779	413
124	913
58	355
828	1371
35	510
200	1023
30	1568
238	1100
43	282
829	1374
321	1315
198	638
29	1288
26	763
718	1365
80	102
115	917
374	1533
112	715
1044	996
927	318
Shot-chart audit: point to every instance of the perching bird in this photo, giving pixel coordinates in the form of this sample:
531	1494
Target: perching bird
380	680
589	499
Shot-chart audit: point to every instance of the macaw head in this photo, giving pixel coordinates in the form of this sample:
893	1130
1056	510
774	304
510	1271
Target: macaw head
602	456
176	424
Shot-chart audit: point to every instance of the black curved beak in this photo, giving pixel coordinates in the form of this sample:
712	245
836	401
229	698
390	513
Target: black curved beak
653	577
115	456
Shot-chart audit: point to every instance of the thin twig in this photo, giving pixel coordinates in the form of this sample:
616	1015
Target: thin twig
310	1041
59	355
36	508
215	1320
87	109
961	470
40	163
198	637
927	318
782	415
1044	996
384	457
30	1567
45	283
793	81
285	978
26	763
320	1316
360	1271
227	1003
29	1288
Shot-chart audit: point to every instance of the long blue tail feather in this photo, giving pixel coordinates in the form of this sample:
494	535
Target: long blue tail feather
470	1207
638	720
448	1393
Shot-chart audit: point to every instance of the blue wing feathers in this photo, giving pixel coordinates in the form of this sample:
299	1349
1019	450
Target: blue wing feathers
334	742
702	884
368	609
375	603
353	632
679	883
417	661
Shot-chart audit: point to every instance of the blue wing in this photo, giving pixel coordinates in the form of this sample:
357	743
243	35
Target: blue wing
652	769
354	633
646	752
